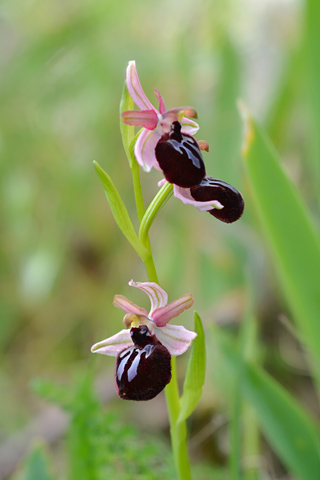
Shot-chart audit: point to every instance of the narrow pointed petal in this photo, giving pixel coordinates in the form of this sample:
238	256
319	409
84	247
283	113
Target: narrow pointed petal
189	126
175	338
144	149
144	118
135	88
128	307
158	297
185	196
163	315
113	345
162	107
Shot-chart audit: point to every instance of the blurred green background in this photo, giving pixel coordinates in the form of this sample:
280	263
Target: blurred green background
62	255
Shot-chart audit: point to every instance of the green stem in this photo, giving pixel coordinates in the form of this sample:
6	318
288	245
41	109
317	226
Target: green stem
177	430
154	208
137	189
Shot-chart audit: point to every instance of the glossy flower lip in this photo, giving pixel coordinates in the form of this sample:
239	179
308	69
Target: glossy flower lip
214	196
175	338
155	122
184	194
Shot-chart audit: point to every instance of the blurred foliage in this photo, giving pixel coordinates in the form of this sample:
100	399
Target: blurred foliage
98	444
62	257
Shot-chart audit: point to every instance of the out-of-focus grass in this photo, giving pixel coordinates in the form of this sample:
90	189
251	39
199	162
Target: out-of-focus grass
62	257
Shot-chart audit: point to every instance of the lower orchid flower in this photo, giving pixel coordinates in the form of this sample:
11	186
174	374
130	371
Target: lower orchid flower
144	348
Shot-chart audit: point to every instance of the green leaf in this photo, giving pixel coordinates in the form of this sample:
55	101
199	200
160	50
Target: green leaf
37	465
289	231
193	383
312	74
226	128
120	212
127	131
291	432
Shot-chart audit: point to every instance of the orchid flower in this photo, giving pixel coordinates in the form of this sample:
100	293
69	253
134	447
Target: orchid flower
176	339
156	123
145	347
166	143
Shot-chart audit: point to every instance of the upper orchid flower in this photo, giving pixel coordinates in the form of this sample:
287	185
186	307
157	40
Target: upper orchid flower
145	346
166	141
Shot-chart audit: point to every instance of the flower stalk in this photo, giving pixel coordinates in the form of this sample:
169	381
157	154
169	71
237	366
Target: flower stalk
154	208
146	348
177	429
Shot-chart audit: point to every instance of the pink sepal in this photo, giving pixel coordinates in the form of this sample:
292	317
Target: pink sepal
161	316
176	338
135	88
143	118
185	196
162	107
113	345
128	307
144	148
158	297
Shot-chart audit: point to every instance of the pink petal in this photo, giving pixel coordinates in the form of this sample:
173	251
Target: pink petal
158	297
144	118
176	338
144	148
163	315
162	107
189	126
113	345
185	196
128	307
135	89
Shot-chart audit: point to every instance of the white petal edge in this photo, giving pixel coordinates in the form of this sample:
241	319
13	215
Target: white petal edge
189	126
175	338
185	196
113	345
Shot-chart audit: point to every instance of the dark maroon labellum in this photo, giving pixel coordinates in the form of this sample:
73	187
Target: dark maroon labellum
180	158
231	199
143	370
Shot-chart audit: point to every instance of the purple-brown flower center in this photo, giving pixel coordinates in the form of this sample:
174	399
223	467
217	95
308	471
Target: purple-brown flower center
180	158
143	370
